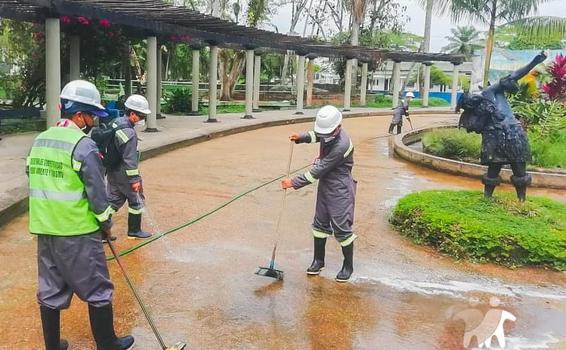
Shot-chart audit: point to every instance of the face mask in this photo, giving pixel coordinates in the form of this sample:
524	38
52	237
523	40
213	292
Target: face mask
141	123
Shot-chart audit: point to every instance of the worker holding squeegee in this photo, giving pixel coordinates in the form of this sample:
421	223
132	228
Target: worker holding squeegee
70	214
336	189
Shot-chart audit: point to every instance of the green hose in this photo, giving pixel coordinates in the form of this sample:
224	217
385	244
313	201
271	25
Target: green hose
210	212
200	217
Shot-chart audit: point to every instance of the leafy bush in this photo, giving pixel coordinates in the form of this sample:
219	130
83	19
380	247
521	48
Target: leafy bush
385	101
178	101
548	151
464	225
453	144
542	115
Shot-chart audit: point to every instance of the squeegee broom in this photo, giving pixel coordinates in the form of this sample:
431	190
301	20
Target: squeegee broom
177	346
271	271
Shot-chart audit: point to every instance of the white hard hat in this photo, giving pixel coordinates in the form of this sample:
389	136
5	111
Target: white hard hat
409	94
138	103
327	120
83	92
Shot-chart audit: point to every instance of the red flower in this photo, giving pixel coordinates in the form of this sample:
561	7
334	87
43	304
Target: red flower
557	87
83	20
104	23
65	19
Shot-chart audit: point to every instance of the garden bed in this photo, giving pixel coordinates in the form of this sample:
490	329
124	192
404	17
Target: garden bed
464	225
457	144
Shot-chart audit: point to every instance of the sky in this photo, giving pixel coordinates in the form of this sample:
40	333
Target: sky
440	25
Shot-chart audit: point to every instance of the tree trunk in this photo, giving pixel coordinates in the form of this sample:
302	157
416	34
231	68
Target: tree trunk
489	43
428	25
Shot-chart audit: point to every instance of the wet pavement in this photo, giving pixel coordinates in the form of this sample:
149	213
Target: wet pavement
200	285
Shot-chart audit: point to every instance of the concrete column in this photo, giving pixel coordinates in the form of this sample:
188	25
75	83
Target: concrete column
159	83
52	70
249	84
348	86
310	81
396	83
151	83
195	82
454	95
426	85
212	84
75	57
300	84
257	82
364	85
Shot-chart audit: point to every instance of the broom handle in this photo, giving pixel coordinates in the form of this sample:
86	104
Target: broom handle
283	205
135	292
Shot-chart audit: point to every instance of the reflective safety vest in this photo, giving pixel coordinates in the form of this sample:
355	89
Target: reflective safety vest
57	201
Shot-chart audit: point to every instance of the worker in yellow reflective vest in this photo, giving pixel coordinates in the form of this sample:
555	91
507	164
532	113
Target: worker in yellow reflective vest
70	214
334	214
124	180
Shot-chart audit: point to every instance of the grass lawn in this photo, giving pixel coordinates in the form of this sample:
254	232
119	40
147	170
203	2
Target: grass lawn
464	225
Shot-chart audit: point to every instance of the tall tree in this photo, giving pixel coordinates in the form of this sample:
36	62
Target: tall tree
464	40
500	12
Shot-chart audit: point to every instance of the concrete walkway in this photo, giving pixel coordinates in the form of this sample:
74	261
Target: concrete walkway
174	132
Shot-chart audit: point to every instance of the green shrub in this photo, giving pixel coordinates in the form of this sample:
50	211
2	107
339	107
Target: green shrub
548	151
178	101
464	225
453	143
386	101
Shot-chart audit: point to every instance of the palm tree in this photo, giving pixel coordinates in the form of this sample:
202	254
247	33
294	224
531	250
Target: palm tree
464	40
498	12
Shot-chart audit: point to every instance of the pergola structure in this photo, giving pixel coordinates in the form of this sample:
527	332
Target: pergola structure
154	17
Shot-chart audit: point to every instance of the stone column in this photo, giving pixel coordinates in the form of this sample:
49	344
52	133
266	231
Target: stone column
151	83
364	84
396	83
426	85
300	84
348	86
257	83
249	83
159	83
52	70
454	95
195	82
212	84
75	57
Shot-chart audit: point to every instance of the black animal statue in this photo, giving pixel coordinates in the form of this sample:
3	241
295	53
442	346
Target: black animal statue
503	139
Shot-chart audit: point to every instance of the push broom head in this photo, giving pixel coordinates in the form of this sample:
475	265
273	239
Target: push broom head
178	346
270	272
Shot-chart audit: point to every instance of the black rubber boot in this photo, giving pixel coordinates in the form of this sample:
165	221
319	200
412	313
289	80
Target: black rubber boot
348	264
50	321
391	127
318	260
521	183
490	185
134	227
102	326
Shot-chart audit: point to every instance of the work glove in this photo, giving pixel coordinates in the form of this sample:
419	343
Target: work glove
107	235
294	137
136	186
286	183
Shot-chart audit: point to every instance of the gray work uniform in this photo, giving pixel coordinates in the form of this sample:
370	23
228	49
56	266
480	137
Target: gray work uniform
336	189
77	264
122	176
399	112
